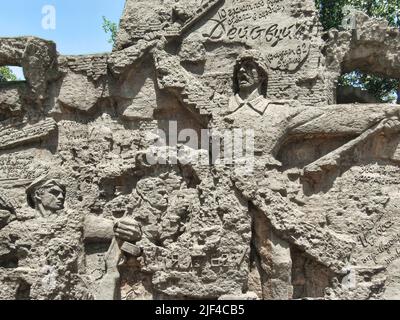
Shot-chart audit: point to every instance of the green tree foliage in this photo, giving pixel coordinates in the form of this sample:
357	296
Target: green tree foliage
331	16
7	75
111	28
381	88
331	11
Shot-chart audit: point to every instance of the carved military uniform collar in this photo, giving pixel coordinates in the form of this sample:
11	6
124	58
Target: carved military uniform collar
255	101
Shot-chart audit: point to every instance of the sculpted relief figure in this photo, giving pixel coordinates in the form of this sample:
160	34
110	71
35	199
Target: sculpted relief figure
48	250
47	197
318	209
123	234
274	122
250	84
156	222
45	252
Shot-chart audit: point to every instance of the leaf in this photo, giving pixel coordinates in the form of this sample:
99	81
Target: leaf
111	28
331	16
7	75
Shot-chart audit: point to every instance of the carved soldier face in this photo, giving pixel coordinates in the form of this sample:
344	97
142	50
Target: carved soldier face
248	76
154	191
51	197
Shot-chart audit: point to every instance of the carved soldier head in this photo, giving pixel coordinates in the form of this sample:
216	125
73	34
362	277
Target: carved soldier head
46	196
154	191
249	76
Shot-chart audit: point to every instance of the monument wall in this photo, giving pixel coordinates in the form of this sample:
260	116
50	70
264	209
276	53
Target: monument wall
106	194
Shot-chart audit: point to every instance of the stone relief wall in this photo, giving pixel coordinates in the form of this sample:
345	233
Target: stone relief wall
84	214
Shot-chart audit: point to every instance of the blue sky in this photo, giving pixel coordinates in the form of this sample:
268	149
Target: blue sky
78	22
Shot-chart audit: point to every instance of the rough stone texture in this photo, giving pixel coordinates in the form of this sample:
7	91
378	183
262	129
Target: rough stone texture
84	214
372	47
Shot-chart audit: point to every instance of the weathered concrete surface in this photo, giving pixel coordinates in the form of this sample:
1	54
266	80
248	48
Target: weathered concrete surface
86	214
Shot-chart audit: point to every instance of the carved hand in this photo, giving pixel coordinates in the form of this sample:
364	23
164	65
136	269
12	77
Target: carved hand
128	229
391	125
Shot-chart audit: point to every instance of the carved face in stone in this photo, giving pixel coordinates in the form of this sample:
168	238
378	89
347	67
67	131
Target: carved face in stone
46	195
248	76
154	191
52	197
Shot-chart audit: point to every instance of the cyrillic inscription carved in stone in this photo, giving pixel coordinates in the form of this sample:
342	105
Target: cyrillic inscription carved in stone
204	158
